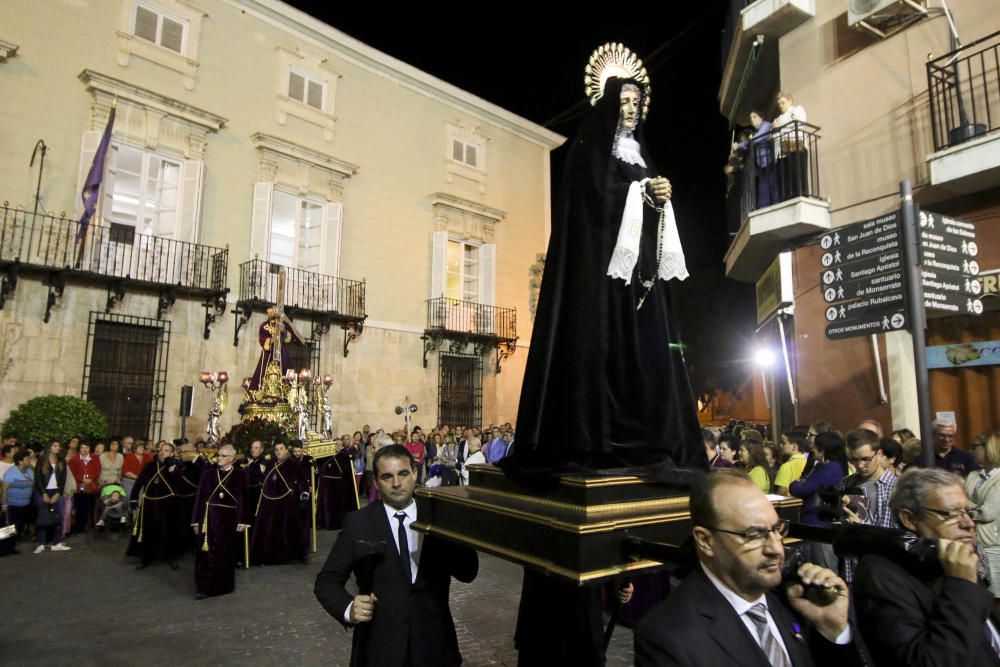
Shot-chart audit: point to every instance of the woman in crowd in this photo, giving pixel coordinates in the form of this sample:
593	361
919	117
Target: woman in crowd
983	490
50	485
448	458
830	454
727	448
18	488
892	451
755	464
111	464
131	467
771	455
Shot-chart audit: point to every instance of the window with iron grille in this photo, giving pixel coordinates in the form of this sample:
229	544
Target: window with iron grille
125	372
305	355
460	389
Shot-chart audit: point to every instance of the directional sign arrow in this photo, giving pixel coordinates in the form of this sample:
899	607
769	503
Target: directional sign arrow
890	261
883	283
950	283
854	309
947	227
870	323
944	261
952	303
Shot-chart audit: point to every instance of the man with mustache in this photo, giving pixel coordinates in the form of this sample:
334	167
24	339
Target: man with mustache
725	612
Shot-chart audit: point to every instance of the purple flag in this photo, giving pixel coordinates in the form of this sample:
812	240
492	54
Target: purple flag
92	186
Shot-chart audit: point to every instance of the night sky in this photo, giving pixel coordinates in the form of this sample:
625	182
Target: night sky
536	71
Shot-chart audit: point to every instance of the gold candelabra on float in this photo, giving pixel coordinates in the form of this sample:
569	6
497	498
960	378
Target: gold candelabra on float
324	412
215	383
298	399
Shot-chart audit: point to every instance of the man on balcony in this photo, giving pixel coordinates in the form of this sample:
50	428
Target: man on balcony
790	148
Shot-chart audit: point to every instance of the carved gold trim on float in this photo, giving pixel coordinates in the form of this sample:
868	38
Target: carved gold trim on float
529	559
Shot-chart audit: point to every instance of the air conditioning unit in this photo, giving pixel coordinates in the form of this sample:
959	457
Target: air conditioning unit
883	17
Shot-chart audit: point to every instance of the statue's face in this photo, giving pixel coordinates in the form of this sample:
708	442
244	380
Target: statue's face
629	107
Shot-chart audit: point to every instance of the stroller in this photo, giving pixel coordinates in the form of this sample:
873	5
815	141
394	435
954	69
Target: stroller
112	506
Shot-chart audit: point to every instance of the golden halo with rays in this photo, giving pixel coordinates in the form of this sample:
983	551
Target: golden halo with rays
615	59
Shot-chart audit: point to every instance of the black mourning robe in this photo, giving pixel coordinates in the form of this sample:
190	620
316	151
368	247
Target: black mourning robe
281	525
337	489
221	505
187	490
159	531
605	384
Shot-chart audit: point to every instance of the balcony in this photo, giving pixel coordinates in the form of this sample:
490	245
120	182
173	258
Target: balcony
752	61
774	198
324	300
465	323
109	253
964	93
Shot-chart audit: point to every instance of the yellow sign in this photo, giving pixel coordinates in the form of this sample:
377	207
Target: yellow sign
774	289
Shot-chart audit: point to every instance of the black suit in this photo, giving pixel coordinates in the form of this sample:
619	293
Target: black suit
911	621
697	626
412	624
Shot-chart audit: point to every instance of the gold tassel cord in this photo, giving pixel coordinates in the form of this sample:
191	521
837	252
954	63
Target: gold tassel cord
204	528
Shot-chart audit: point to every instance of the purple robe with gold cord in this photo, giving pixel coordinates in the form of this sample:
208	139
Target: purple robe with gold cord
220	506
337	491
159	530
281	524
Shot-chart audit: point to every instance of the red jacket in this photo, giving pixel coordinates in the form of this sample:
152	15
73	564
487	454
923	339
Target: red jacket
90	470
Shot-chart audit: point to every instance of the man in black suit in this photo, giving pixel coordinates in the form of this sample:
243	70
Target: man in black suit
400	616
913	615
725	612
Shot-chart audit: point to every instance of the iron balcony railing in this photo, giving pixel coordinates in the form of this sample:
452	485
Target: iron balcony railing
304	290
109	250
773	168
469	317
964	92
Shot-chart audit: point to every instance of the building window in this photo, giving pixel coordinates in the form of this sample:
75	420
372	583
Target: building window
158	28
125	371
460	389
142	191
463	271
464	152
306	90
296	232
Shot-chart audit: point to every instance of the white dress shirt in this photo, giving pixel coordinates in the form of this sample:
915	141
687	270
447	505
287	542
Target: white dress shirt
413	538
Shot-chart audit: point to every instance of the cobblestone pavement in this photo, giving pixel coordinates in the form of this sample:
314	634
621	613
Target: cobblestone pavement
89	606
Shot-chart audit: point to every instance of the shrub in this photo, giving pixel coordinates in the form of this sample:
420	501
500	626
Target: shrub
45	418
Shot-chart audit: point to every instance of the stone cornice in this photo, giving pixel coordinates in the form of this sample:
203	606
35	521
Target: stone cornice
108	85
7	50
268	143
451	201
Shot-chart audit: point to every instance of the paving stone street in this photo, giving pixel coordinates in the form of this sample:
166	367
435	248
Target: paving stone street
89	606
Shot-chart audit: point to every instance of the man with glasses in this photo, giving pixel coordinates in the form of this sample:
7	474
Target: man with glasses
922	616
948	456
874	480
221	517
725	612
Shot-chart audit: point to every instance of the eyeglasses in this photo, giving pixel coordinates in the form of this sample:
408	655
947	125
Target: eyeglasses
756	536
954	516
810	435
862	459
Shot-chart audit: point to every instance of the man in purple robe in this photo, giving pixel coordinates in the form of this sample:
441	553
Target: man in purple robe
221	518
338	494
281	528
156	531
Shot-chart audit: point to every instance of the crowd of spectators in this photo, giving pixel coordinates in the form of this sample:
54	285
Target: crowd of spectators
61	491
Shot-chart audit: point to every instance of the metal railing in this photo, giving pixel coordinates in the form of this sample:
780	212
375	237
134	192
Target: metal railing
964	92
304	290
108	250
773	168
469	317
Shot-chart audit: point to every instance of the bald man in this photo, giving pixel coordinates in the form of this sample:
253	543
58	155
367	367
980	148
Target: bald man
221	518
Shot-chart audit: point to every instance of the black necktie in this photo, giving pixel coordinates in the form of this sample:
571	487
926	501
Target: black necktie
404	547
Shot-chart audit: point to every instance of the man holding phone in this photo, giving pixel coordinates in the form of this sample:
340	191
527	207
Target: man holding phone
875	481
